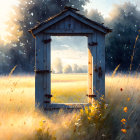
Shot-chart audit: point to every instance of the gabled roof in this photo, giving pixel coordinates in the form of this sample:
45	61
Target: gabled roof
69	11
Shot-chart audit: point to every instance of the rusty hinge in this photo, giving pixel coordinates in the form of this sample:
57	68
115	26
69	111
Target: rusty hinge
48	96
93	44
43	71
99	70
47	102
95	69
91	96
45	41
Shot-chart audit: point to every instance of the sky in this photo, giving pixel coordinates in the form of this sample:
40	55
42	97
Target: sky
73	50
105	6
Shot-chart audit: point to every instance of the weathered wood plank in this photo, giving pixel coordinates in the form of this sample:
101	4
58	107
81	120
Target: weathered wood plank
62	31
39	76
93	50
53	21
94	54
69	25
47	66
39	91
66	106
82	19
90	73
74	15
69	34
66	22
101	64
43	68
39	65
72	23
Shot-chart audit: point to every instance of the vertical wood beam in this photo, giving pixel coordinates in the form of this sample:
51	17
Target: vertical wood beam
94	57
47	67
39	93
96	47
43	70
90	74
101	64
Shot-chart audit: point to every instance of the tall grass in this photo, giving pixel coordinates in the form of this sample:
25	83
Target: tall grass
103	120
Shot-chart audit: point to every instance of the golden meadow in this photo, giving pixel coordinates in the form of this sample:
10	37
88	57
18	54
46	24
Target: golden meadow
116	117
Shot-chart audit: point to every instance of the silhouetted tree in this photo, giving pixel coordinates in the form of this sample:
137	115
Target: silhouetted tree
36	11
125	22
119	44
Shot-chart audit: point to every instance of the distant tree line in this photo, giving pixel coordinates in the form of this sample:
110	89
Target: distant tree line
119	44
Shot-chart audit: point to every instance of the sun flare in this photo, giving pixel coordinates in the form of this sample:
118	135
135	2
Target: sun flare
9	30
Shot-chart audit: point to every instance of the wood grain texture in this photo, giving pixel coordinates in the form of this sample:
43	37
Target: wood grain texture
66	106
69	24
39	65
62	17
98	64
93	53
43	68
101	64
47	66
90	72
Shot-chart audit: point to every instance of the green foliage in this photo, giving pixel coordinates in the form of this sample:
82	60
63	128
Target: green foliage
95	122
124	21
120	43
42	134
35	12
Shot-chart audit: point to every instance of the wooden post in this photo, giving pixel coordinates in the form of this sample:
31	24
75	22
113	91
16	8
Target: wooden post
42	71
89	71
101	64
96	69
47	68
39	66
92	46
68	23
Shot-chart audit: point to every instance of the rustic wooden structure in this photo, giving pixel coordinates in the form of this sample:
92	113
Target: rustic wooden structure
69	23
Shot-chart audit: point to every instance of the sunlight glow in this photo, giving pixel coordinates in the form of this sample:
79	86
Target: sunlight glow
105	6
9	30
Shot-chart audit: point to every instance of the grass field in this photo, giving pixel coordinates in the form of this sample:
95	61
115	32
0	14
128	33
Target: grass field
19	120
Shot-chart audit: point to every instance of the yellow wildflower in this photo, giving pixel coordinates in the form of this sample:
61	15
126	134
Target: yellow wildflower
128	99
125	109
89	118
123	121
41	123
86	110
124	131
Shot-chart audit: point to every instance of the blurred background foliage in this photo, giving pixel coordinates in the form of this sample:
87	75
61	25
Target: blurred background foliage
125	22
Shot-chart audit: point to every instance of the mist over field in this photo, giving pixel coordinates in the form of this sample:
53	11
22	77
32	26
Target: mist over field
20	121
